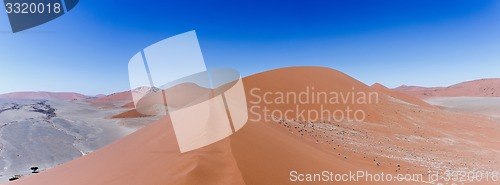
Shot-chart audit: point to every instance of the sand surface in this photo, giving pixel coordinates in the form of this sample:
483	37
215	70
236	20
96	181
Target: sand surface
477	88
481	105
46	133
400	135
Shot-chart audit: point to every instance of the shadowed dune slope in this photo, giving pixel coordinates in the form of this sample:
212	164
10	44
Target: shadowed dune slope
130	114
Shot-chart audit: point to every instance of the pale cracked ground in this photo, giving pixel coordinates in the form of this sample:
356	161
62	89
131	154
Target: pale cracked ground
48	133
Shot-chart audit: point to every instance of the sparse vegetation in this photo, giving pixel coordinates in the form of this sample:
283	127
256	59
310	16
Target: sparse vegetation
15	177
34	169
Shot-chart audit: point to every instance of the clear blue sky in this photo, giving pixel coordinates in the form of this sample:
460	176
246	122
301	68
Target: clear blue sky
413	42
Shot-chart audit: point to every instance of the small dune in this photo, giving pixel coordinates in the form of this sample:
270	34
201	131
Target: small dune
130	114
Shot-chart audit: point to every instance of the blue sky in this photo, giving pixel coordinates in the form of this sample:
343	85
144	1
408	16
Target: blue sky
413	42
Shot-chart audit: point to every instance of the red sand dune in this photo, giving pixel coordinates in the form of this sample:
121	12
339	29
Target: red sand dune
100	95
45	95
180	95
177	96
476	88
264	152
401	96
120	96
130	114
108	100
128	105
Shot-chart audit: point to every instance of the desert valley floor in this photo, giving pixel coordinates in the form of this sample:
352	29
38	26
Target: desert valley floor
402	134
46	133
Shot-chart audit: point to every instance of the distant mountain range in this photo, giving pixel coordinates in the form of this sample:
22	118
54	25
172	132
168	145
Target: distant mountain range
45	95
119	96
477	88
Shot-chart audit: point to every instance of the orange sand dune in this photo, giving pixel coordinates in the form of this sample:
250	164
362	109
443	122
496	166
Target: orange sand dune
401	96
120	96
130	114
108	100
180	95
476	88
402	134
128	105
